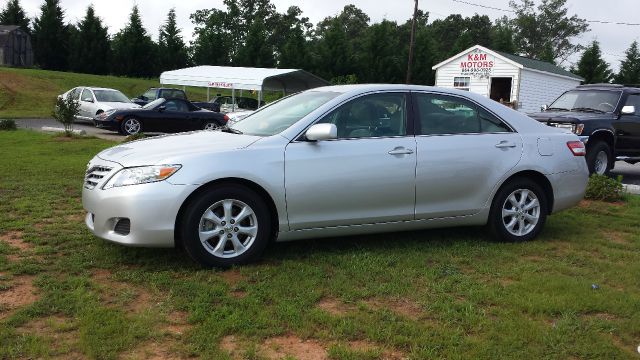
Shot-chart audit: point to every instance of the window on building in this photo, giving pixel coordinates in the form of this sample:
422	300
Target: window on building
461	83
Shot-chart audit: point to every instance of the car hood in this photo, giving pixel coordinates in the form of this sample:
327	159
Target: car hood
570	116
119	105
171	149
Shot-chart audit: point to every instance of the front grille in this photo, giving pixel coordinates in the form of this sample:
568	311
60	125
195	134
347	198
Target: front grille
94	175
123	227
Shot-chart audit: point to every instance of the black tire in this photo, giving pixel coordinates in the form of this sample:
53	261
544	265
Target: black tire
593	161
192	222
497	221
127	130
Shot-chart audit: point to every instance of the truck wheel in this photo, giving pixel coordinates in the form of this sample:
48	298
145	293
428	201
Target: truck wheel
599	158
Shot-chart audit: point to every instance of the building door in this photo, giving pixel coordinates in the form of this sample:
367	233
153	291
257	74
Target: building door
501	89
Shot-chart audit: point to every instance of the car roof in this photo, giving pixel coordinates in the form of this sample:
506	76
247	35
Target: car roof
606	87
97	88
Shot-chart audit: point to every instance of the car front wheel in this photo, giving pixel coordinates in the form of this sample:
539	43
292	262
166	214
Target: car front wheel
131	126
228	225
519	211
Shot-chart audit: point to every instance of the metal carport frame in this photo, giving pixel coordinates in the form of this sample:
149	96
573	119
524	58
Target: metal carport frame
243	78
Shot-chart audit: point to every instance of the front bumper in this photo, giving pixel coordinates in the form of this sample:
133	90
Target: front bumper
584	139
107	124
151	209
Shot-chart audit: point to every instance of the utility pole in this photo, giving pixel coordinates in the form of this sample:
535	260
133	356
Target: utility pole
412	41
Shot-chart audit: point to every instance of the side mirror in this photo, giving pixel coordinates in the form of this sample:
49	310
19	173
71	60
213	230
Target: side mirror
628	110
319	132
162	108
544	108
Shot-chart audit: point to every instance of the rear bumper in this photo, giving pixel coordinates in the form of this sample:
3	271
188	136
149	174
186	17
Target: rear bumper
568	188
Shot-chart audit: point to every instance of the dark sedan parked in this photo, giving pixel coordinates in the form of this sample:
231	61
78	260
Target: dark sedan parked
161	115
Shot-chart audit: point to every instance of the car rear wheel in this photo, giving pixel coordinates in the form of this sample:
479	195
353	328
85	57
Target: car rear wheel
131	126
229	225
519	211
210	125
599	158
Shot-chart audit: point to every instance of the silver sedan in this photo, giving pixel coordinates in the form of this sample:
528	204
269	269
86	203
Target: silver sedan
336	161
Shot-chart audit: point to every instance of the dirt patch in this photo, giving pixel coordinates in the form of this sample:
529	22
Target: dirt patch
14	239
602	316
152	350
334	306
131	298
21	293
364	346
75	218
617	237
60	331
177	323
232	277
404	307
282	346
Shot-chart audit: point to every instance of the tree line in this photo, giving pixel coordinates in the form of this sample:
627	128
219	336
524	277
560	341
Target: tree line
345	48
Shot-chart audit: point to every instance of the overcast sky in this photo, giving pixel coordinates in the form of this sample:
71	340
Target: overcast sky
614	39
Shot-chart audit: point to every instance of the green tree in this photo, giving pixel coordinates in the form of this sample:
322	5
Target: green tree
592	66
546	33
50	37
134	53
256	52
502	36
172	52
13	14
90	50
290	39
630	66
381	59
212	44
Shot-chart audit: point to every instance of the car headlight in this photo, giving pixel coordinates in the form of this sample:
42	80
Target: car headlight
105	114
141	175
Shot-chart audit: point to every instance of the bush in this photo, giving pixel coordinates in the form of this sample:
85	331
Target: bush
604	188
134	137
7	124
67	108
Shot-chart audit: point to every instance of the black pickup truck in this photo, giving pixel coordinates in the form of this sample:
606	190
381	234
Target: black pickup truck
606	117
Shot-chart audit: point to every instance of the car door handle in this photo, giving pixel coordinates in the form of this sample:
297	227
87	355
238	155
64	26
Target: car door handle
400	151
505	144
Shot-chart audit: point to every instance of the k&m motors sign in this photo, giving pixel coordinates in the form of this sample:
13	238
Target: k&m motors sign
477	64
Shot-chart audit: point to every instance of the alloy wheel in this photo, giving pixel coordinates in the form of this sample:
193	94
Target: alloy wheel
521	212
228	228
132	126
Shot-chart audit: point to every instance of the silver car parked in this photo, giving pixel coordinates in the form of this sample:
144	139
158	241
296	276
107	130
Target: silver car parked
336	161
94	101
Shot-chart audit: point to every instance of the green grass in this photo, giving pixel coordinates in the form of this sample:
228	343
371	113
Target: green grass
31	93
469	297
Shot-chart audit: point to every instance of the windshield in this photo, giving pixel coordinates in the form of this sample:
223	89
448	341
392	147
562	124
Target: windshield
278	116
110	96
591	100
154	103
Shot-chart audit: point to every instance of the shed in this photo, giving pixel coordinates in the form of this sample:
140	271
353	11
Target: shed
243	78
15	46
526	84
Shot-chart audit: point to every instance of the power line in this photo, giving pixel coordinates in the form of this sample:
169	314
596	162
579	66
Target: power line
511	11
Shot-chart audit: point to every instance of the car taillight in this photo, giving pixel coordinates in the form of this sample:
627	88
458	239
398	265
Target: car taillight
226	118
577	148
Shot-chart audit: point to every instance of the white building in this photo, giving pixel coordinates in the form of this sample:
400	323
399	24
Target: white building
504	77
